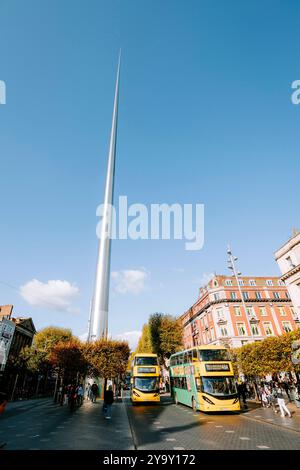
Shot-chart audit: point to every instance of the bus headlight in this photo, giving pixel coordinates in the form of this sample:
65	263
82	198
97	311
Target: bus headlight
136	394
208	400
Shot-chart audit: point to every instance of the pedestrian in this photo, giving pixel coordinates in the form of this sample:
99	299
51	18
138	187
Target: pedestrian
108	401
264	399
286	389
94	391
80	394
3	403
88	392
280	399
242	393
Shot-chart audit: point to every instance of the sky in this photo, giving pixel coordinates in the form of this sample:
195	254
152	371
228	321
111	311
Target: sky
205	117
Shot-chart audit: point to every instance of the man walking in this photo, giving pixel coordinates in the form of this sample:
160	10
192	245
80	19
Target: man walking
108	401
94	390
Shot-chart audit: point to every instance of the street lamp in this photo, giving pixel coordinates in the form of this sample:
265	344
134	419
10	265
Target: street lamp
231	265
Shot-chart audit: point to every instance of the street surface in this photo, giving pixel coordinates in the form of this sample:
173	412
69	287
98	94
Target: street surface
40	424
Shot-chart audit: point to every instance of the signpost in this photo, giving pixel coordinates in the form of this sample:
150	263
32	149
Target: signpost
7	329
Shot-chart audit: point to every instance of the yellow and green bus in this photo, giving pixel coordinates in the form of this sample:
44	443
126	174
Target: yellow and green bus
202	377
145	378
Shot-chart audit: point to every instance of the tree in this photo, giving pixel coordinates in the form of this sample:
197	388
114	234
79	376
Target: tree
47	338
144	344
165	334
68	358
107	358
270	356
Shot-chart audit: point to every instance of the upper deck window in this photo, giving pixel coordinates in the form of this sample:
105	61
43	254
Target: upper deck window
145	361
214	355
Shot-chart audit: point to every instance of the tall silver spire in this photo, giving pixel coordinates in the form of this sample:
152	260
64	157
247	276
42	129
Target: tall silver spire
98	323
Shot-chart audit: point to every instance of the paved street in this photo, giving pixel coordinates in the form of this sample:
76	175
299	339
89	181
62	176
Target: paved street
40	424
177	427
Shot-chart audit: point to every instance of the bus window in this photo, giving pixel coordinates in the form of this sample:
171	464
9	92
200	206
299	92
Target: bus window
214	355
219	386
198	384
146	361
146	384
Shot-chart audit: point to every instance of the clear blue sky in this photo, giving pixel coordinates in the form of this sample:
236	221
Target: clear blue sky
205	117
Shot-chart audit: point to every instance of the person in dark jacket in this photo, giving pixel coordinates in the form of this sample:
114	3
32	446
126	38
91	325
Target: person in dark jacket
94	392
108	401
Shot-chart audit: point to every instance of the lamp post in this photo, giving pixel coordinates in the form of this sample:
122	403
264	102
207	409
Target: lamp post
231	265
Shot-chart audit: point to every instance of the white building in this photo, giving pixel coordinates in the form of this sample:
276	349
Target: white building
288	259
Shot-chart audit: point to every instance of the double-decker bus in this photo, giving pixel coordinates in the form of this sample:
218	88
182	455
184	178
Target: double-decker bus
145	377
202	377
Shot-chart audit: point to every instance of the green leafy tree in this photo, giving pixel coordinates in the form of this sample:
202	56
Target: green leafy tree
165	334
47	338
144	344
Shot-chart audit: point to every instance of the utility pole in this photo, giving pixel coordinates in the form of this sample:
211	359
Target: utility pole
231	265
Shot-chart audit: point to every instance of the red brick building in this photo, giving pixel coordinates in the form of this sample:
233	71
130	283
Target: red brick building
221	316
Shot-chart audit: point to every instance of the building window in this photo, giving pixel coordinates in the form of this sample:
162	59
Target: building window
276	295
262	311
220	314
212	333
281	283
237	311
233	295
217	296
252	282
223	331
287	296
282	311
228	282
292	310
269	282
241	282
258	295
246	295
268	328
250	311
255	330
241	329
287	326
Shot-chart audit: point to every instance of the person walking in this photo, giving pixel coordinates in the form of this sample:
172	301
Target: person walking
242	393
94	391
80	394
282	406
108	401
3	403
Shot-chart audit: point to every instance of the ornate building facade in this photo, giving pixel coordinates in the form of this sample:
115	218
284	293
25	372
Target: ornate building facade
222	316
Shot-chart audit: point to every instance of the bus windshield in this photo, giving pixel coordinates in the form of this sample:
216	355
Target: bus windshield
146	361
219	386
146	384
214	355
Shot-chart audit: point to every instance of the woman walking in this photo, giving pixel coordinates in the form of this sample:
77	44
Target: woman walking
282	406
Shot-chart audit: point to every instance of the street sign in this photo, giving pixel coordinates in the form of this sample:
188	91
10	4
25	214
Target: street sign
7	329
